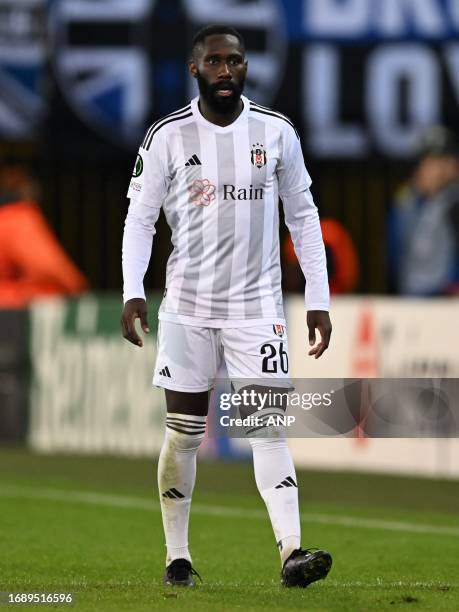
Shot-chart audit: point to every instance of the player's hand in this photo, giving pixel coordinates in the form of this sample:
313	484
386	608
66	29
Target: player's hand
134	309
319	319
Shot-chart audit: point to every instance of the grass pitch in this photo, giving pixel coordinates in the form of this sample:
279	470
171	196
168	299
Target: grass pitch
91	526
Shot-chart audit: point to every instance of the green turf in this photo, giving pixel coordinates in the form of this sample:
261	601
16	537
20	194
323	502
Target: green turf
53	538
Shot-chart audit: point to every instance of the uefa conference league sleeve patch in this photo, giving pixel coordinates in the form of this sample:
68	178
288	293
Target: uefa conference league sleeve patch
138	170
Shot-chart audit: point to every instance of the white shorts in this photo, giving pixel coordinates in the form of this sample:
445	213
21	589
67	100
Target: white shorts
189	357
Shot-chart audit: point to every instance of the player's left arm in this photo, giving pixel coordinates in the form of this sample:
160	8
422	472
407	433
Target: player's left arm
302	219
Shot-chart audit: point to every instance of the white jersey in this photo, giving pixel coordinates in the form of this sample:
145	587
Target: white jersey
219	188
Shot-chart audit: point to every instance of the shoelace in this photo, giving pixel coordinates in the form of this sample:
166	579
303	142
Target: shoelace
300	551
195	573
180	570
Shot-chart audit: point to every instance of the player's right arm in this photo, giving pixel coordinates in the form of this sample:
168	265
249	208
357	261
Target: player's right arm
147	191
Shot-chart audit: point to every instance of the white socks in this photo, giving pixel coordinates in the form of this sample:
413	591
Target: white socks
176	478
274	475
276	480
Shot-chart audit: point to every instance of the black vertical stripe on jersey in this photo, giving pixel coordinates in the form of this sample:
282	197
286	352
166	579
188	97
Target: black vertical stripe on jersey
162	124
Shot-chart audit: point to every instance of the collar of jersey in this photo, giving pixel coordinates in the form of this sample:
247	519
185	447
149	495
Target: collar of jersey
218	128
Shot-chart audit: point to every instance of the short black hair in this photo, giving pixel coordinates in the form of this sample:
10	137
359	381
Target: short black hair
210	30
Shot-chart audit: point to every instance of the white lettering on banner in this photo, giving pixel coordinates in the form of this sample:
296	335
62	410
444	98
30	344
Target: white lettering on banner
321	86
453	11
231	11
91	392
379	18
395	17
336	17
387	68
113	10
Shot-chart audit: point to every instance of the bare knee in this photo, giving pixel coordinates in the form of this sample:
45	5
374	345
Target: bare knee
180	402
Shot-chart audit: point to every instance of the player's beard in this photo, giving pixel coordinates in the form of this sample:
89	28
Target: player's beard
219	104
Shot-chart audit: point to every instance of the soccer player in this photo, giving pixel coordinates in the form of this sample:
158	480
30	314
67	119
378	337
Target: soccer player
217	168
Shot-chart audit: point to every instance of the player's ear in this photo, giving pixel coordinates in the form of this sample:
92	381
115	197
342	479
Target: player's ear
193	68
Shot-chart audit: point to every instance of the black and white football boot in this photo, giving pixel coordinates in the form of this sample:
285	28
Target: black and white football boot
305	566
180	573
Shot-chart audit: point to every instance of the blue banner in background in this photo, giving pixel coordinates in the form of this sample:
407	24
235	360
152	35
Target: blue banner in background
357	77
356	21
23	78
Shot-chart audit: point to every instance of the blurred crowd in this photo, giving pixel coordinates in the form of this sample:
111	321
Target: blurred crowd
33	264
422	234
423	228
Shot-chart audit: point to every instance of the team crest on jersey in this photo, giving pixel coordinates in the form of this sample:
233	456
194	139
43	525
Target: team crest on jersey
279	330
202	192
258	155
